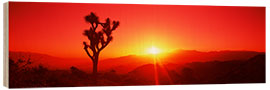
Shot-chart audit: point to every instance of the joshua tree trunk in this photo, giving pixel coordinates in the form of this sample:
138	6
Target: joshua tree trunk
94	59
95	65
95	74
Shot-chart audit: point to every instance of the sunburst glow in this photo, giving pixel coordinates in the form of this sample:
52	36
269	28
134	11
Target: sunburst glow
153	50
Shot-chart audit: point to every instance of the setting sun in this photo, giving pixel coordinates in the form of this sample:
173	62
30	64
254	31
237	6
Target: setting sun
153	50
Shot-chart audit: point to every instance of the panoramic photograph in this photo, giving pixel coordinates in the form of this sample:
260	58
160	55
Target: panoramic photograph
90	44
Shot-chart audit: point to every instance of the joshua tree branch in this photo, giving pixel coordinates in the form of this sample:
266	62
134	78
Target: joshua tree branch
93	49
103	46
86	50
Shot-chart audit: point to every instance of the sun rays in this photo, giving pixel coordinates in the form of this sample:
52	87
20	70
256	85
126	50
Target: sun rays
158	66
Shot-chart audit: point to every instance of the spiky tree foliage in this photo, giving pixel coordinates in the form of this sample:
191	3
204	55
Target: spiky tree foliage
99	39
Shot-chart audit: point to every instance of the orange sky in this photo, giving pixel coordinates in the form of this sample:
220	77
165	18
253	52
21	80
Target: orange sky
56	28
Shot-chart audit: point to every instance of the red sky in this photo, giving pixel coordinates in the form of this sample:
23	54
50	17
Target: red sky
56	28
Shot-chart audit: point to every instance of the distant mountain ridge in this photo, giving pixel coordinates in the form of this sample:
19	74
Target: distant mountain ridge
197	56
140	70
126	64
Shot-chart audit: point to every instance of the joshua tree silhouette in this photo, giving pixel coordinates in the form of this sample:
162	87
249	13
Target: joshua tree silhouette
98	39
